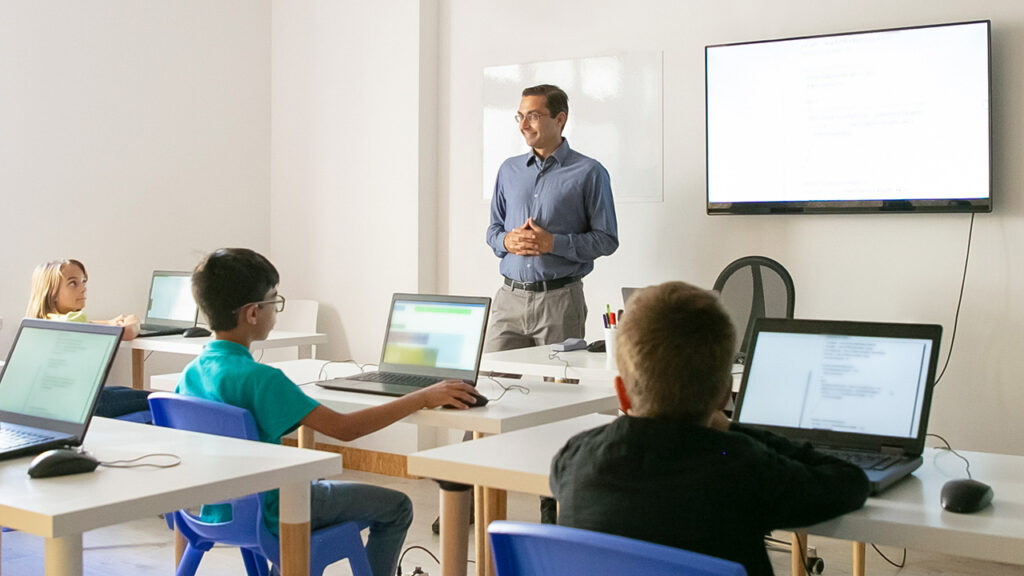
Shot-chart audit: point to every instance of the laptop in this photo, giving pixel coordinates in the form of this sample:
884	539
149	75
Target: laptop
51	382
857	390
171	308
428	338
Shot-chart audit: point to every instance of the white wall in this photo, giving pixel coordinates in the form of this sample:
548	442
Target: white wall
878	267
352	195
133	135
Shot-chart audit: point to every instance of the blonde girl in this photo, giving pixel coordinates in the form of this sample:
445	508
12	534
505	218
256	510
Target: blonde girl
59	292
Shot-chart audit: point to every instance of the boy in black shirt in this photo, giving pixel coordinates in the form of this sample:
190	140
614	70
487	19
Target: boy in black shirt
674	470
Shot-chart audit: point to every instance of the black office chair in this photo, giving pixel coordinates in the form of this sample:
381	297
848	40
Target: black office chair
754	287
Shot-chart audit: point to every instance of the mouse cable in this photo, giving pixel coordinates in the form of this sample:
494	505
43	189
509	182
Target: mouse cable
565	370
955	453
323	369
128	462
959	301
406	551
903	561
504	389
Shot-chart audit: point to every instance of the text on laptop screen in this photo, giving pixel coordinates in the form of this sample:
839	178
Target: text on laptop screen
435	334
863	384
54	373
171	299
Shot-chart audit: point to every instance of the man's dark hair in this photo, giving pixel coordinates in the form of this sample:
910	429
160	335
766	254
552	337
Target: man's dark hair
228	279
556	98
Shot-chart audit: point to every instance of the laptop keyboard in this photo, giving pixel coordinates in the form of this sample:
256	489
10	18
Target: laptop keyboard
396	378
864	460
15	438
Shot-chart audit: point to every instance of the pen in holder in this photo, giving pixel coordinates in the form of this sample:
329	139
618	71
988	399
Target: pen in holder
609	348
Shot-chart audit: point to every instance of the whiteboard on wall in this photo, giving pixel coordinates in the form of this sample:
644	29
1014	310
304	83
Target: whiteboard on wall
615	116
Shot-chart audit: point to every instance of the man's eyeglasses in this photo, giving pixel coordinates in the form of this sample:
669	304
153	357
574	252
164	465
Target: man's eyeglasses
277	302
533	117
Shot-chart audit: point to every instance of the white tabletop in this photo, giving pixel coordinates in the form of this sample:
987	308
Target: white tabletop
213	468
546	401
908	514
578	364
180	345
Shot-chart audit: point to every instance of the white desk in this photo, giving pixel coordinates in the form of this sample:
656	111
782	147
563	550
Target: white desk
194	346
578	364
213	468
908	514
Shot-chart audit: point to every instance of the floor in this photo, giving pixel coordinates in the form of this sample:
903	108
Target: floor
145	547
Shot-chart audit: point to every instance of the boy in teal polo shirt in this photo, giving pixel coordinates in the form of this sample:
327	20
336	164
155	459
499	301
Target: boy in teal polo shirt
237	290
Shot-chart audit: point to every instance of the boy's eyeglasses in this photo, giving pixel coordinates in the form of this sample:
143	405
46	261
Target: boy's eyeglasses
277	302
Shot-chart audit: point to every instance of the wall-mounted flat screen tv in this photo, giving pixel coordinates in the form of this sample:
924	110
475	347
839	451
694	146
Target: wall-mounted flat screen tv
889	120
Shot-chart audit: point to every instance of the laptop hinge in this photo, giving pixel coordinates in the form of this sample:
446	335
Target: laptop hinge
892	450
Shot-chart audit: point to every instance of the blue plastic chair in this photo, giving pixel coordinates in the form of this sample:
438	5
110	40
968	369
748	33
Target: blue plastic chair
246	529
522	549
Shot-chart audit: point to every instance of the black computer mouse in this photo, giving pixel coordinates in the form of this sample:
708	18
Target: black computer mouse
481	400
61	462
596	346
195	332
965	496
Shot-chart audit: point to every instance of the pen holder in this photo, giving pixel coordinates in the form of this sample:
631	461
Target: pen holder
609	348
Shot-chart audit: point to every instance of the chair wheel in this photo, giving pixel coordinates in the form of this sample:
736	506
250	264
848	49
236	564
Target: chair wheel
815	565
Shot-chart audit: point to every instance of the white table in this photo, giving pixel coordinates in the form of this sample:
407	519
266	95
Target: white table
908	514
194	346
213	468
578	364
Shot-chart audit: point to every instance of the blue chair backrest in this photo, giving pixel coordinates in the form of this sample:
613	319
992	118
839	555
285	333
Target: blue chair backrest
199	415
522	549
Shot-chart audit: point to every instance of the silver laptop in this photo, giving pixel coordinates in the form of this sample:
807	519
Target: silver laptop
858	390
428	338
171	307
50	384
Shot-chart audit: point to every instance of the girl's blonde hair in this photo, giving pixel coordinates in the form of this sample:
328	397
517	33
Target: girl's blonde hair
46	280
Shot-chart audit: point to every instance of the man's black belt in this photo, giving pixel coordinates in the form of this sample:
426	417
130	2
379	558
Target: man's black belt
541	286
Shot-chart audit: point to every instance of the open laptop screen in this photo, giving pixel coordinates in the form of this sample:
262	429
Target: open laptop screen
435	334
55	374
864	384
170	299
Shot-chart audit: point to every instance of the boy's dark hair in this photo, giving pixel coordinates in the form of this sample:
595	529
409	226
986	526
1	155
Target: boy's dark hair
228	279
556	98
674	351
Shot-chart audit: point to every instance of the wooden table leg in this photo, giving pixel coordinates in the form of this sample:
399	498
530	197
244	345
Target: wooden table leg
63	556
294	529
138	369
454	531
495	508
858	559
180	543
307	437
797	553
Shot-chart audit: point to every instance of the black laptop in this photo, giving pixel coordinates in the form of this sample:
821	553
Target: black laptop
171	307
428	338
858	390
51	382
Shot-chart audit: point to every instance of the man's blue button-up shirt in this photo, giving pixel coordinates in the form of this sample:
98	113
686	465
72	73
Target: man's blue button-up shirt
569	195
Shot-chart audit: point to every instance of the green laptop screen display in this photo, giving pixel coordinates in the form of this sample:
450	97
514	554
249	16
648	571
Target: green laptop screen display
55	373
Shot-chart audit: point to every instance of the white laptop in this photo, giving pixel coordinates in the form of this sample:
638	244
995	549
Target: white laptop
171	307
858	390
429	338
51	382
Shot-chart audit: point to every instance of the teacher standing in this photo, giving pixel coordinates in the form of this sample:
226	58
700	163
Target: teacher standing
552	215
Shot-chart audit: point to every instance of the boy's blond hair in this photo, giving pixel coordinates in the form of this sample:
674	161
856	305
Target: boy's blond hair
46	280
674	351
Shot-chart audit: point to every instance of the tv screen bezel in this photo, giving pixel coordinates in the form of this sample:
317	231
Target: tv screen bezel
943	205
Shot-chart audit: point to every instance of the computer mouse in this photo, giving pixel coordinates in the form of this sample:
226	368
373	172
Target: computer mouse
481	400
965	496
61	462
195	332
596	346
